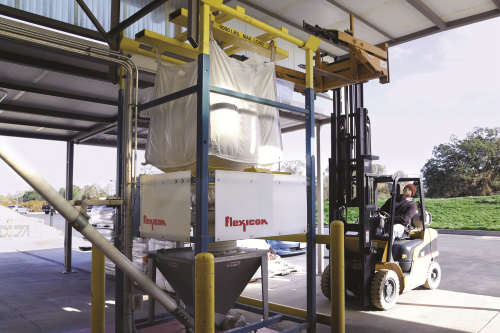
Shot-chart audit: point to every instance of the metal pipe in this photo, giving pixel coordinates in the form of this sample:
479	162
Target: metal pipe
80	223
337	292
98	281
204	293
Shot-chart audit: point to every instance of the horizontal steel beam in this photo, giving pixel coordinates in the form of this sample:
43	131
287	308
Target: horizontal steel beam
359	18
293	128
44	125
115	133
49	23
251	98
94	131
427	12
168	98
136	17
57	94
110	144
34	135
56	114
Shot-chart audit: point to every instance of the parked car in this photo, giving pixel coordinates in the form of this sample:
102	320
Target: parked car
283	248
47	208
19	209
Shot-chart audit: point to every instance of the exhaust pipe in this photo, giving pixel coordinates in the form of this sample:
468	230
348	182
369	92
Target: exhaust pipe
80	223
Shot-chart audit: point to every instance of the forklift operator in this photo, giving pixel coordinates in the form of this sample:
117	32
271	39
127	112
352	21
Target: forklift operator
405	209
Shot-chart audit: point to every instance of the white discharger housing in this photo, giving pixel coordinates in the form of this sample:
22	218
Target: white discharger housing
247	205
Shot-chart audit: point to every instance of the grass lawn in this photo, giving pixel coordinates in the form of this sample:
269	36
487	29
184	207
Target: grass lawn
469	213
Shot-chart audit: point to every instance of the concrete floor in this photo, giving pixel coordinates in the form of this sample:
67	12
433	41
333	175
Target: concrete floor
36	297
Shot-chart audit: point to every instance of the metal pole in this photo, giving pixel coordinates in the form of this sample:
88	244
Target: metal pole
97	287
119	276
202	138
68	230
151	300
337	291
320	201
311	211
204	293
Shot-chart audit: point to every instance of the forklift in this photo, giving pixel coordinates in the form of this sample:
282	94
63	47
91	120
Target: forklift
378	266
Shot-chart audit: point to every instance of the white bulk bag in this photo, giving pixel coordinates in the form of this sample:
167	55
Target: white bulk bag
242	134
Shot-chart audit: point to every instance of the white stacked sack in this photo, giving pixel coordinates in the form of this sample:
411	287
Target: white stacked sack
242	134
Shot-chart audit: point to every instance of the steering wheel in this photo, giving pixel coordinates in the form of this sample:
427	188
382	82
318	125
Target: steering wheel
384	214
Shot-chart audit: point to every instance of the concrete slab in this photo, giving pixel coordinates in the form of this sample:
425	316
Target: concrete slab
36	297
420	310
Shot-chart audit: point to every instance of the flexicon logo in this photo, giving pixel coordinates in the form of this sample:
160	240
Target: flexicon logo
153	222
236	223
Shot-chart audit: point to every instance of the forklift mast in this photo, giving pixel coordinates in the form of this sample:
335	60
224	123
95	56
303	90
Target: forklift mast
350	170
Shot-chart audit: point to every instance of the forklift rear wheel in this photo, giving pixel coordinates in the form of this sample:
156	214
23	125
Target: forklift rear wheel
385	289
325	282
433	276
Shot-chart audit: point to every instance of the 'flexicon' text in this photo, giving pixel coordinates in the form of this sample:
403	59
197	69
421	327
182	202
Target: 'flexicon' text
153	222
236	223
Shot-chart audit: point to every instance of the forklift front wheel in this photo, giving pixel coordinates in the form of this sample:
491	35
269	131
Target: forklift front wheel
385	289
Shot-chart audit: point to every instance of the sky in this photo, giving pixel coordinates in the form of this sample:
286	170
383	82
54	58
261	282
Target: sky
441	85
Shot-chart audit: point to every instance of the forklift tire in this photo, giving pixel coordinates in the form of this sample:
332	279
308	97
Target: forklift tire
385	289
433	276
325	282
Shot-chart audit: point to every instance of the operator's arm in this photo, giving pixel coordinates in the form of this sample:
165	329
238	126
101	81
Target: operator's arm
386	207
404	213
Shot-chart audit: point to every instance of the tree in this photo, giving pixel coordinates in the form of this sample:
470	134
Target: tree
295	167
30	195
468	167
380	170
94	192
77	192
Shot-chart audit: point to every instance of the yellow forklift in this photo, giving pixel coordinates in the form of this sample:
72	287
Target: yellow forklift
378	267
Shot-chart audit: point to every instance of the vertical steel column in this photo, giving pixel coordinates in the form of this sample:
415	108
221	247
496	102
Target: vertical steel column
202	136
68	230
119	275
311	211
320	201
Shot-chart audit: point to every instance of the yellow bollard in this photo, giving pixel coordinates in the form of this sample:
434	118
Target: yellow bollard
98	292
204	293
337	288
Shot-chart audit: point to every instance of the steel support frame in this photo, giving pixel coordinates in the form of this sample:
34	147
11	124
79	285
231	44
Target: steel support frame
68	230
201	239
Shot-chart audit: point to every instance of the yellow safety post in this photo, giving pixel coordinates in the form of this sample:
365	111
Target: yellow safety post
98	292
204	28
204	293
337	289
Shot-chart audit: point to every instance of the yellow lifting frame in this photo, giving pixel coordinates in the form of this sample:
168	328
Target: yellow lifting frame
232	36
